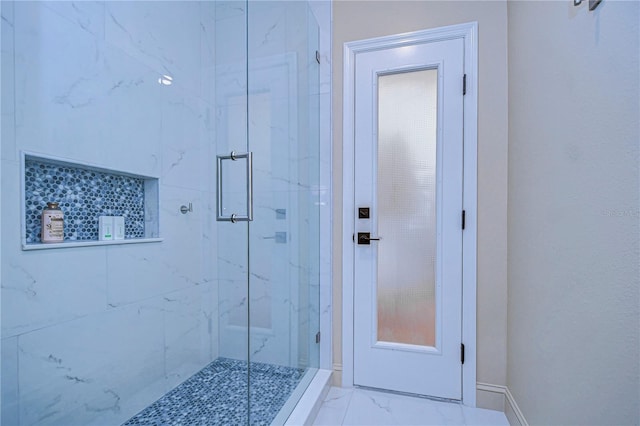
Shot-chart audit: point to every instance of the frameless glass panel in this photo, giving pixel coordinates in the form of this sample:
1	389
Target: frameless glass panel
406	200
283	237
310	320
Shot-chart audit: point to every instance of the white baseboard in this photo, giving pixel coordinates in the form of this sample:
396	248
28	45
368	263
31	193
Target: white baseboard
511	409
337	375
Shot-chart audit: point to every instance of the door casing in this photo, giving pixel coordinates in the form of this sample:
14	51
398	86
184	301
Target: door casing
469	33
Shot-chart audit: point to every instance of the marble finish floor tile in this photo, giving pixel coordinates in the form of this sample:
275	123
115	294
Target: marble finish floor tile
367	407
217	395
334	407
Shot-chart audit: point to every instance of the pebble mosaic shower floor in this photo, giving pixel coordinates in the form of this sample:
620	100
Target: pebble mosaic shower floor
217	395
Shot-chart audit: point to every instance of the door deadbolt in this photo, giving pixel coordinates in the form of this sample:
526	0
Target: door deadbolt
365	238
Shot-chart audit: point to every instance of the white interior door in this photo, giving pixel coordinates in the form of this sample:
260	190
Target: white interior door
408	173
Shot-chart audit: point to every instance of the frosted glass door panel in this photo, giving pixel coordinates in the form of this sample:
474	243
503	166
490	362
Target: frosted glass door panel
406	207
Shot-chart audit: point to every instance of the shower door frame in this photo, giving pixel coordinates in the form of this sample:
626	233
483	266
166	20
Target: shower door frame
469	33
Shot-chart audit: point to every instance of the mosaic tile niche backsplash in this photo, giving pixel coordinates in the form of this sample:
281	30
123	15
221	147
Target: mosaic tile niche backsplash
83	195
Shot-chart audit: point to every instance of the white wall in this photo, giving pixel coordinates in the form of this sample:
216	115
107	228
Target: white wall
574	212
99	332
357	20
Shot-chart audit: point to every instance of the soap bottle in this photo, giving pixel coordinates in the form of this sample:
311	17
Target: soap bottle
52	224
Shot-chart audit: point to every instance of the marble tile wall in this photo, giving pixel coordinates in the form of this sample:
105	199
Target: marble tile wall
94	334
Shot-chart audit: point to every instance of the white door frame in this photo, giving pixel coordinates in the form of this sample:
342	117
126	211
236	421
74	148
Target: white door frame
469	33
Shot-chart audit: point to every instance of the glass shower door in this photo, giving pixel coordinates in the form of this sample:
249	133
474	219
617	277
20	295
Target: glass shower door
283	135
267	144
230	200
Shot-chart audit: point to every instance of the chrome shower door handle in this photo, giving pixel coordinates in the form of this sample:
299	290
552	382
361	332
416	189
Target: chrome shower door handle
235	217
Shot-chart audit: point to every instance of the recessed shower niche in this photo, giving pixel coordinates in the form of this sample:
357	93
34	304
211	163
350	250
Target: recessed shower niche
84	193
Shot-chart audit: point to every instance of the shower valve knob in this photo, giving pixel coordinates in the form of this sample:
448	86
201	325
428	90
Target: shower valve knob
185	209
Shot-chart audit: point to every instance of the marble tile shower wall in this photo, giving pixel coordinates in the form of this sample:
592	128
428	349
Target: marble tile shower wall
94	334
283	238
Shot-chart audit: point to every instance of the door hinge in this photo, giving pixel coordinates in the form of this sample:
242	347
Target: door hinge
464	218
317	56
464	84
462	353
318	337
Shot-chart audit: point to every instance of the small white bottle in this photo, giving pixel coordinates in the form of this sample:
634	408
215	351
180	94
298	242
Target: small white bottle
105	228
52	224
118	227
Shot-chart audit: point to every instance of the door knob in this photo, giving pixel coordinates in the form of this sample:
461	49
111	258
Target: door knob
365	238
